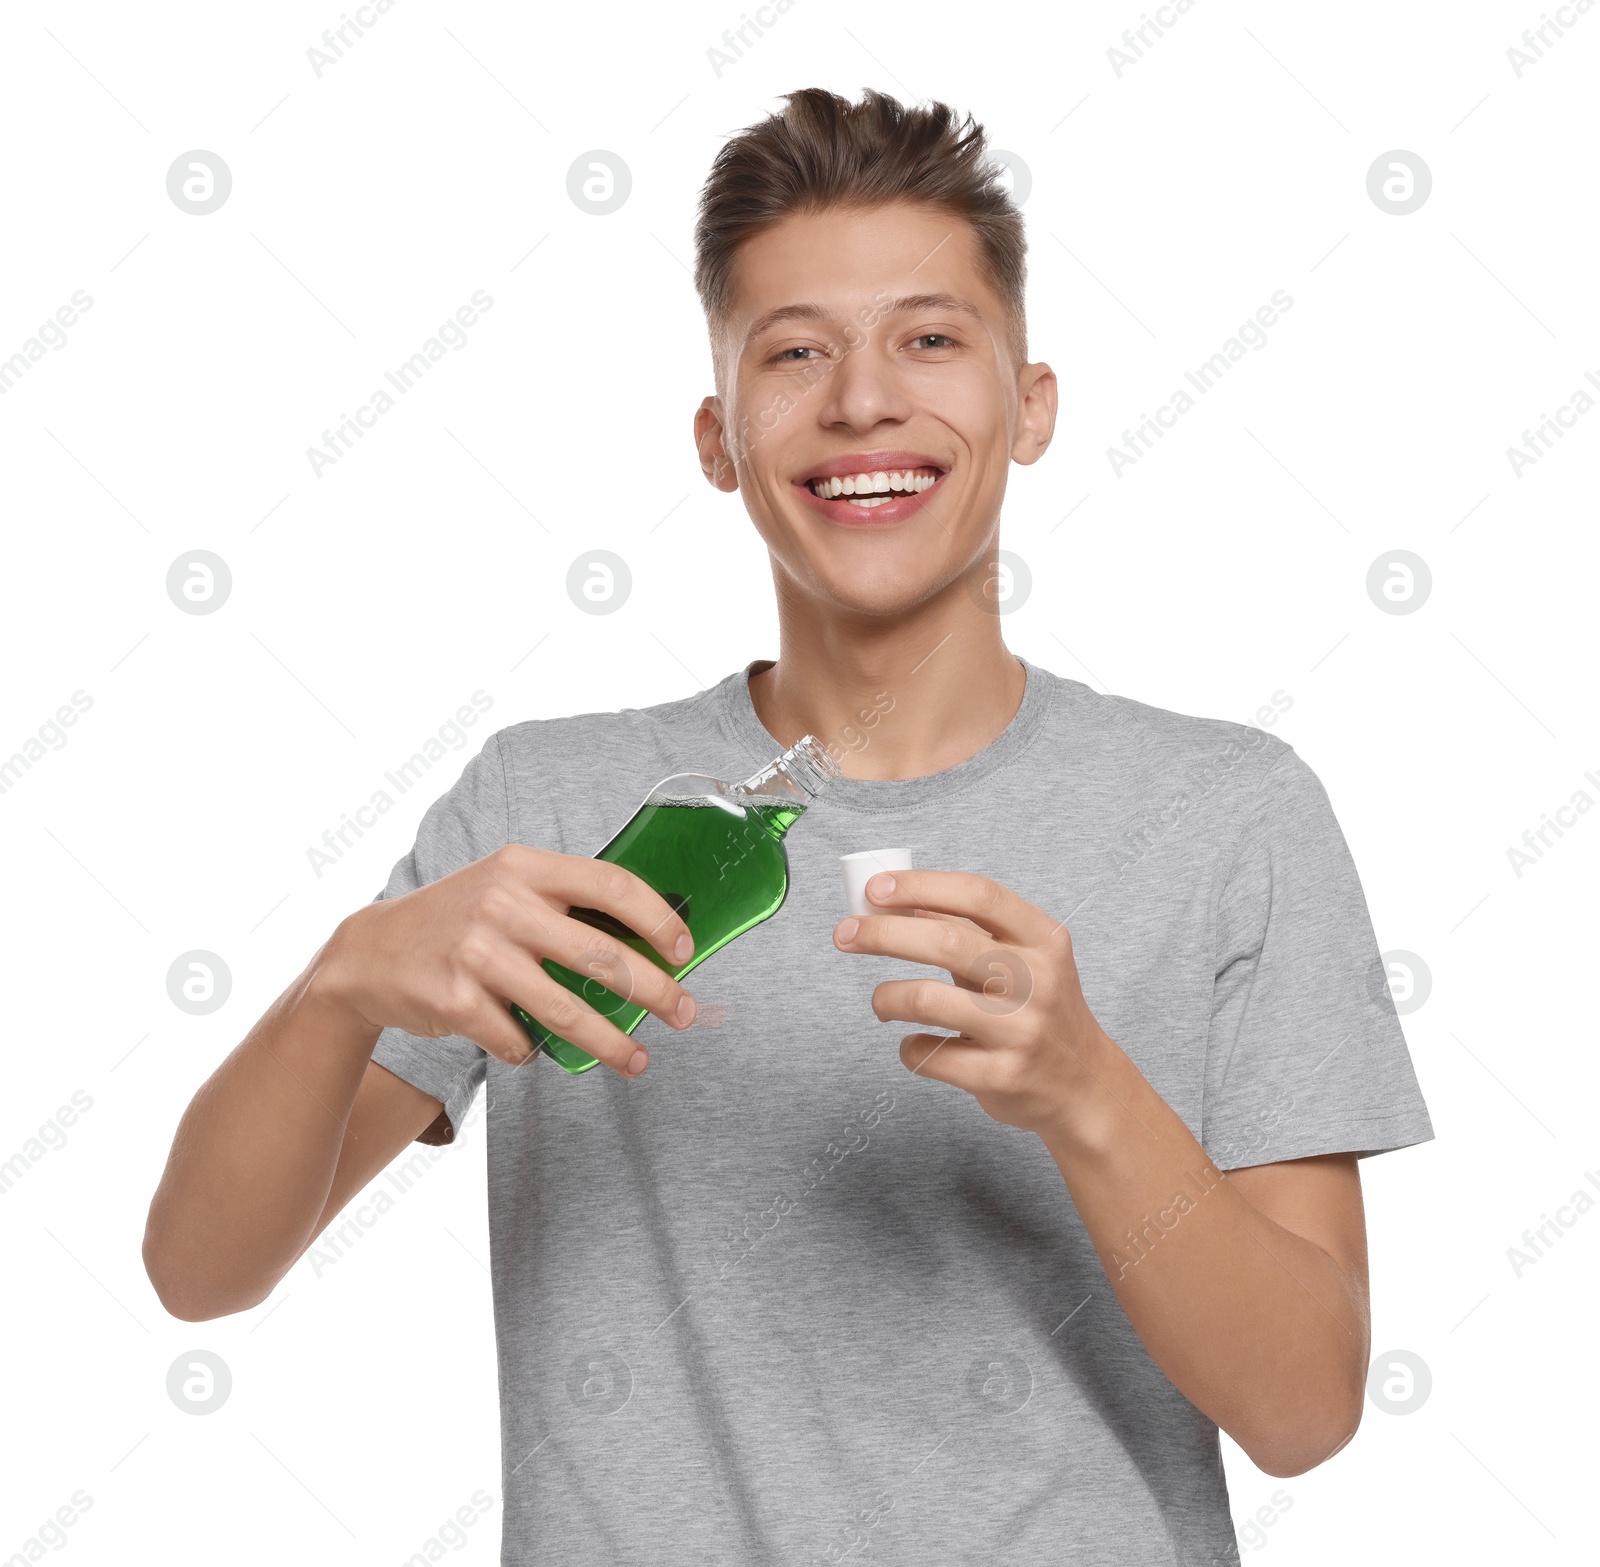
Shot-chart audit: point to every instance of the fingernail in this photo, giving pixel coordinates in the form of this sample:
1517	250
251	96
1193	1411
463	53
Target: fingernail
684	950
636	1063
685	1012
881	885
847	931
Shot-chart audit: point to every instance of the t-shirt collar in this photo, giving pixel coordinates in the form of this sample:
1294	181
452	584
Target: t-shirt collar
741	722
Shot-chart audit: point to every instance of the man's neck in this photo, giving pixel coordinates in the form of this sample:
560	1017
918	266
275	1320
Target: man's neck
900	706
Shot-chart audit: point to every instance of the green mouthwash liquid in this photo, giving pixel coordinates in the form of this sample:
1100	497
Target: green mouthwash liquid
715	852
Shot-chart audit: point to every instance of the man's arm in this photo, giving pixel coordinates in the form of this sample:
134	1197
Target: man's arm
294	1123
1248	1289
297	1119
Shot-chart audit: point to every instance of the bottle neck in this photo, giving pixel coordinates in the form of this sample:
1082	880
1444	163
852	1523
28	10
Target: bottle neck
790	783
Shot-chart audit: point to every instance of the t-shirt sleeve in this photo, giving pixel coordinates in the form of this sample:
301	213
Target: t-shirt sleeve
470	820
1305	1054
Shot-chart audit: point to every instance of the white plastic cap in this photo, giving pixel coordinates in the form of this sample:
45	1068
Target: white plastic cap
860	868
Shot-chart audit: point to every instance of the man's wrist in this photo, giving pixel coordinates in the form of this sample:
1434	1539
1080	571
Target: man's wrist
325	994
1090	1113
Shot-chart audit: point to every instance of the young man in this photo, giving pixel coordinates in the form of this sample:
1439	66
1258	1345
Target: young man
806	1284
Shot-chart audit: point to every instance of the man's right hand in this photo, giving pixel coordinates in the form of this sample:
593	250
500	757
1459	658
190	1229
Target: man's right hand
449	957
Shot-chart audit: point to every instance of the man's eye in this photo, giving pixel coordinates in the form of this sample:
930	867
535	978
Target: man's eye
935	338
782	356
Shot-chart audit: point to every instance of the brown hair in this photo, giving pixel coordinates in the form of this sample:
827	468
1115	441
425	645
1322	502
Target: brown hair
823	151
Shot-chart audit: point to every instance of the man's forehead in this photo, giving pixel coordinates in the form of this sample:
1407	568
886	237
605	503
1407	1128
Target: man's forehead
833	264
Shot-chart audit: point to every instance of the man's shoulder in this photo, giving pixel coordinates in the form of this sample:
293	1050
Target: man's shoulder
1139	740
569	742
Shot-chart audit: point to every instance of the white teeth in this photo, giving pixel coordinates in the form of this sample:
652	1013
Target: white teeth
906	481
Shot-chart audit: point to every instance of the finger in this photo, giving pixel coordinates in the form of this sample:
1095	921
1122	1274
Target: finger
604	889
1007	915
945	1058
957	946
607	963
565	1014
493	1029
928	1001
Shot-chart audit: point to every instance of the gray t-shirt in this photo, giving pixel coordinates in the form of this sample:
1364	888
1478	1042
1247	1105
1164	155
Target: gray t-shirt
780	1300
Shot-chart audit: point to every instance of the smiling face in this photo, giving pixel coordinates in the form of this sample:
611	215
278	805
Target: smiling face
868	406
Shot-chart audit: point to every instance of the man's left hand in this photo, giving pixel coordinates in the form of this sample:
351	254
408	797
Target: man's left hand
1026	1041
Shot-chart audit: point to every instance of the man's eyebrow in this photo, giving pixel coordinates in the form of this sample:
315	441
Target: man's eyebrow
908	304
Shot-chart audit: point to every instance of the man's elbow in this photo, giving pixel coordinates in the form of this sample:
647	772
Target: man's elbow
189	1298
1292	1449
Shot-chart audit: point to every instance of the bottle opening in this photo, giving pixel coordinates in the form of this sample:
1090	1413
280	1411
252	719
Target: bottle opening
801	773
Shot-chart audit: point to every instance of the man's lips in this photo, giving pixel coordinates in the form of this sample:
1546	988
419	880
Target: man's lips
880	508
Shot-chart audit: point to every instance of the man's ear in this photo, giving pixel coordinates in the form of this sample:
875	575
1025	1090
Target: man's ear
1036	400
715	463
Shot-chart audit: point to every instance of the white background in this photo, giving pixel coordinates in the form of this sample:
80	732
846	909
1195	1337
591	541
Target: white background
369	603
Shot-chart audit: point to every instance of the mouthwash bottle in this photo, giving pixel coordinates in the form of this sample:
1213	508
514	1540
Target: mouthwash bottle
715	852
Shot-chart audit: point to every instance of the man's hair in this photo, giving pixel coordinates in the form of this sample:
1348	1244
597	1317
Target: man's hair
824	151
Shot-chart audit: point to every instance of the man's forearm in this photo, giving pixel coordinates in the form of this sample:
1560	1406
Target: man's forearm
1255	1325
254	1156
